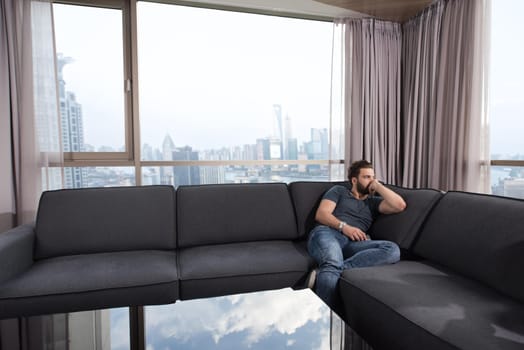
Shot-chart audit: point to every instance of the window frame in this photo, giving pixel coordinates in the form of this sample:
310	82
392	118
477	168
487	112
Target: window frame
80	159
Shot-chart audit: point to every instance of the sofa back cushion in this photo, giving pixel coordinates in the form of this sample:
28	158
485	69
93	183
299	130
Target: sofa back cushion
92	220
403	228
479	236
228	213
306	198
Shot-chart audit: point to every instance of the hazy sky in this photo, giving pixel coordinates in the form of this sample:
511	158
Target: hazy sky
210	78
507	77
93	39
213	79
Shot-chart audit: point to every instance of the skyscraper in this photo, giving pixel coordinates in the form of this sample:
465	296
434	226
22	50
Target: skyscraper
286	142
72	127
318	146
186	174
166	173
278	134
263	149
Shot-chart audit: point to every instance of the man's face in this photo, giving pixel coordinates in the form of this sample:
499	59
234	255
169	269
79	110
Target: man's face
365	176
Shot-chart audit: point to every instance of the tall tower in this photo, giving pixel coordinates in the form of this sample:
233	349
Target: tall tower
72	126
167	176
278	132
168	146
290	143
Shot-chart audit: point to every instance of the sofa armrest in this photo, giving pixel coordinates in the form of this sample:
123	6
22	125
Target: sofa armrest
16	251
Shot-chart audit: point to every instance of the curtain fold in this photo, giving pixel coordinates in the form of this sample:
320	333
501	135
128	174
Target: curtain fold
414	96
371	58
30	94
7	202
444	117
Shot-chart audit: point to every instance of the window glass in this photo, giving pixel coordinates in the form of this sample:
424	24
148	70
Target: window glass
507	181
78	177
89	48
219	85
507	81
507	97
205	174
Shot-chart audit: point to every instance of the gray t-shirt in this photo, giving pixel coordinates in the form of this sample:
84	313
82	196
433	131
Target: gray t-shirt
355	212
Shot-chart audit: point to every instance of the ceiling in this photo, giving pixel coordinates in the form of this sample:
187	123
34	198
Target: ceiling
392	10
306	8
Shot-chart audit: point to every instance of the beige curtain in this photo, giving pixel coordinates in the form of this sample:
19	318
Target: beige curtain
29	106
444	97
7	206
370	98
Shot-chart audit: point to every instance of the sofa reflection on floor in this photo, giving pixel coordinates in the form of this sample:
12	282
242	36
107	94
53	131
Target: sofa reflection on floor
458	285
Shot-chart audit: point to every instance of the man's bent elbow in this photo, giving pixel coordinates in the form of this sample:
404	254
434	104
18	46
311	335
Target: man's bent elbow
401	206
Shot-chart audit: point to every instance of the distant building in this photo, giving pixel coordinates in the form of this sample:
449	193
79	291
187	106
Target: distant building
513	188
275	149
278	132
263	149
212	174
72	128
186	174
166	173
317	148
292	149
147	152
249	152
287	142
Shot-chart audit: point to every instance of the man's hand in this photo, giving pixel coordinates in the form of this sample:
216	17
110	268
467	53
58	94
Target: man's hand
392	203
374	186
354	233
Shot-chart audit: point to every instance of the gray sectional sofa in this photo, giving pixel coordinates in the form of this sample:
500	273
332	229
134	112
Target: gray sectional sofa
463	287
459	283
127	246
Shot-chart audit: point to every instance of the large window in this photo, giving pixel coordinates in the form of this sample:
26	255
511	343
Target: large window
219	96
248	92
507	98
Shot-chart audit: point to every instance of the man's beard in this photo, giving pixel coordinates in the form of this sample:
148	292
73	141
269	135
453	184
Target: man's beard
361	189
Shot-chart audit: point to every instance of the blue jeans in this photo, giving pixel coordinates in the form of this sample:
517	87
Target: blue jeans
335	252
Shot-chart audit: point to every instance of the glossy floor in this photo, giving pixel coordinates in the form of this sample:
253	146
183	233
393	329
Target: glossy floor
278	319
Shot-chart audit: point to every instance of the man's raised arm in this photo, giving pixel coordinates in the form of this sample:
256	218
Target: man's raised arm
392	203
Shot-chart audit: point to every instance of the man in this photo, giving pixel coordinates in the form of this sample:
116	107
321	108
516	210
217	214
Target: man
339	241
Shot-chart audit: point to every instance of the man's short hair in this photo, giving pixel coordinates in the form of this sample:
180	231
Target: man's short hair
354	168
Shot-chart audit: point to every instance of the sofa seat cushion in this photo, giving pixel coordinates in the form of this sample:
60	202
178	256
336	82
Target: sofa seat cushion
223	269
414	305
92	281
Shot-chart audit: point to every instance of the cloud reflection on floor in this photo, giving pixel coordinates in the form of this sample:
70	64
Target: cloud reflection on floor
281	319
